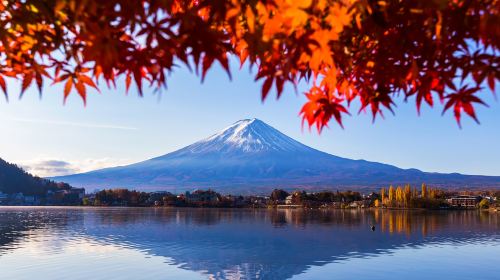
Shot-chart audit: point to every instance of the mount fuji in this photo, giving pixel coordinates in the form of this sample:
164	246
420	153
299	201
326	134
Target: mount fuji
252	157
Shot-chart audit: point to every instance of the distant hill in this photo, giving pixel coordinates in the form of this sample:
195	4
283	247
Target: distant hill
14	179
253	157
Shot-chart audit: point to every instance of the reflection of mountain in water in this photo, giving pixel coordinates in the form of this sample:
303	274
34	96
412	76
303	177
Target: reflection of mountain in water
269	244
280	244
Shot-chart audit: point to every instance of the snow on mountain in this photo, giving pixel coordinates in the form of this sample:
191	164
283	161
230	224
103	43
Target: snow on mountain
250	155
246	136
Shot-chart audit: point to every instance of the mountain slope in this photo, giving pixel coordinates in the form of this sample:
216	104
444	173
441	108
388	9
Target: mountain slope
14	179
249	155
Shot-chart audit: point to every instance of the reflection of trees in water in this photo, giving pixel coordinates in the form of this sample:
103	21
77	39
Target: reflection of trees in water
432	222
213	216
407	222
186	216
301	217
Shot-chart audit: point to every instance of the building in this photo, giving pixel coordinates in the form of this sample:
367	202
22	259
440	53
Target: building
491	199
466	201
360	204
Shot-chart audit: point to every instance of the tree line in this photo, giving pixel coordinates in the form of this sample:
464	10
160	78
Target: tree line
411	197
392	197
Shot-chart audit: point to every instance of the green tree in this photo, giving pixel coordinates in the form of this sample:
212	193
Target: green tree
85	201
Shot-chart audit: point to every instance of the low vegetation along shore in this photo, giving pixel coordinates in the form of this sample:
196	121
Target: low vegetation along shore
399	197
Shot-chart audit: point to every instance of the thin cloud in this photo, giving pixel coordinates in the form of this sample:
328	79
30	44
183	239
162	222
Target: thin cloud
75	124
47	167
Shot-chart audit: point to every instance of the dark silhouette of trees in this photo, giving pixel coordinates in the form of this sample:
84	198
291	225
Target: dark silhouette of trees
14	179
121	197
278	195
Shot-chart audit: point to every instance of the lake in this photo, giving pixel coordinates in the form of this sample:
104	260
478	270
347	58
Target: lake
169	243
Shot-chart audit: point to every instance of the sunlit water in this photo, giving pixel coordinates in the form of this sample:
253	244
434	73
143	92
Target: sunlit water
146	243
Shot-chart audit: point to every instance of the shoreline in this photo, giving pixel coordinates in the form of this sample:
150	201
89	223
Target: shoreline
490	210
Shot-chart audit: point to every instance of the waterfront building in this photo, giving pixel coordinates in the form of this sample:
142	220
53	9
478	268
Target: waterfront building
359	204
467	201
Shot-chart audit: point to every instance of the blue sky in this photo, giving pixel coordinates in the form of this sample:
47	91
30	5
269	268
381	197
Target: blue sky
49	138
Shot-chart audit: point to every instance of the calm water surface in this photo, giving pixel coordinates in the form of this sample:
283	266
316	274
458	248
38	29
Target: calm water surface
135	243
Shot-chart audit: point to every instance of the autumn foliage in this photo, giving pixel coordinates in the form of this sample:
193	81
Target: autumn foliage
408	197
364	50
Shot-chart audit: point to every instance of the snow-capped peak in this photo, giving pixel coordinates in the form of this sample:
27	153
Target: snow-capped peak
248	135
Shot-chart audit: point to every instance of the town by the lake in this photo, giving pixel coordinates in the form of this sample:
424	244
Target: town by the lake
388	198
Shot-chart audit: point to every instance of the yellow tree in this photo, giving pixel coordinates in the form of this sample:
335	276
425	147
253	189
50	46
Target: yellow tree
432	193
399	196
376	203
407	195
391	195
414	193
424	191
383	195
